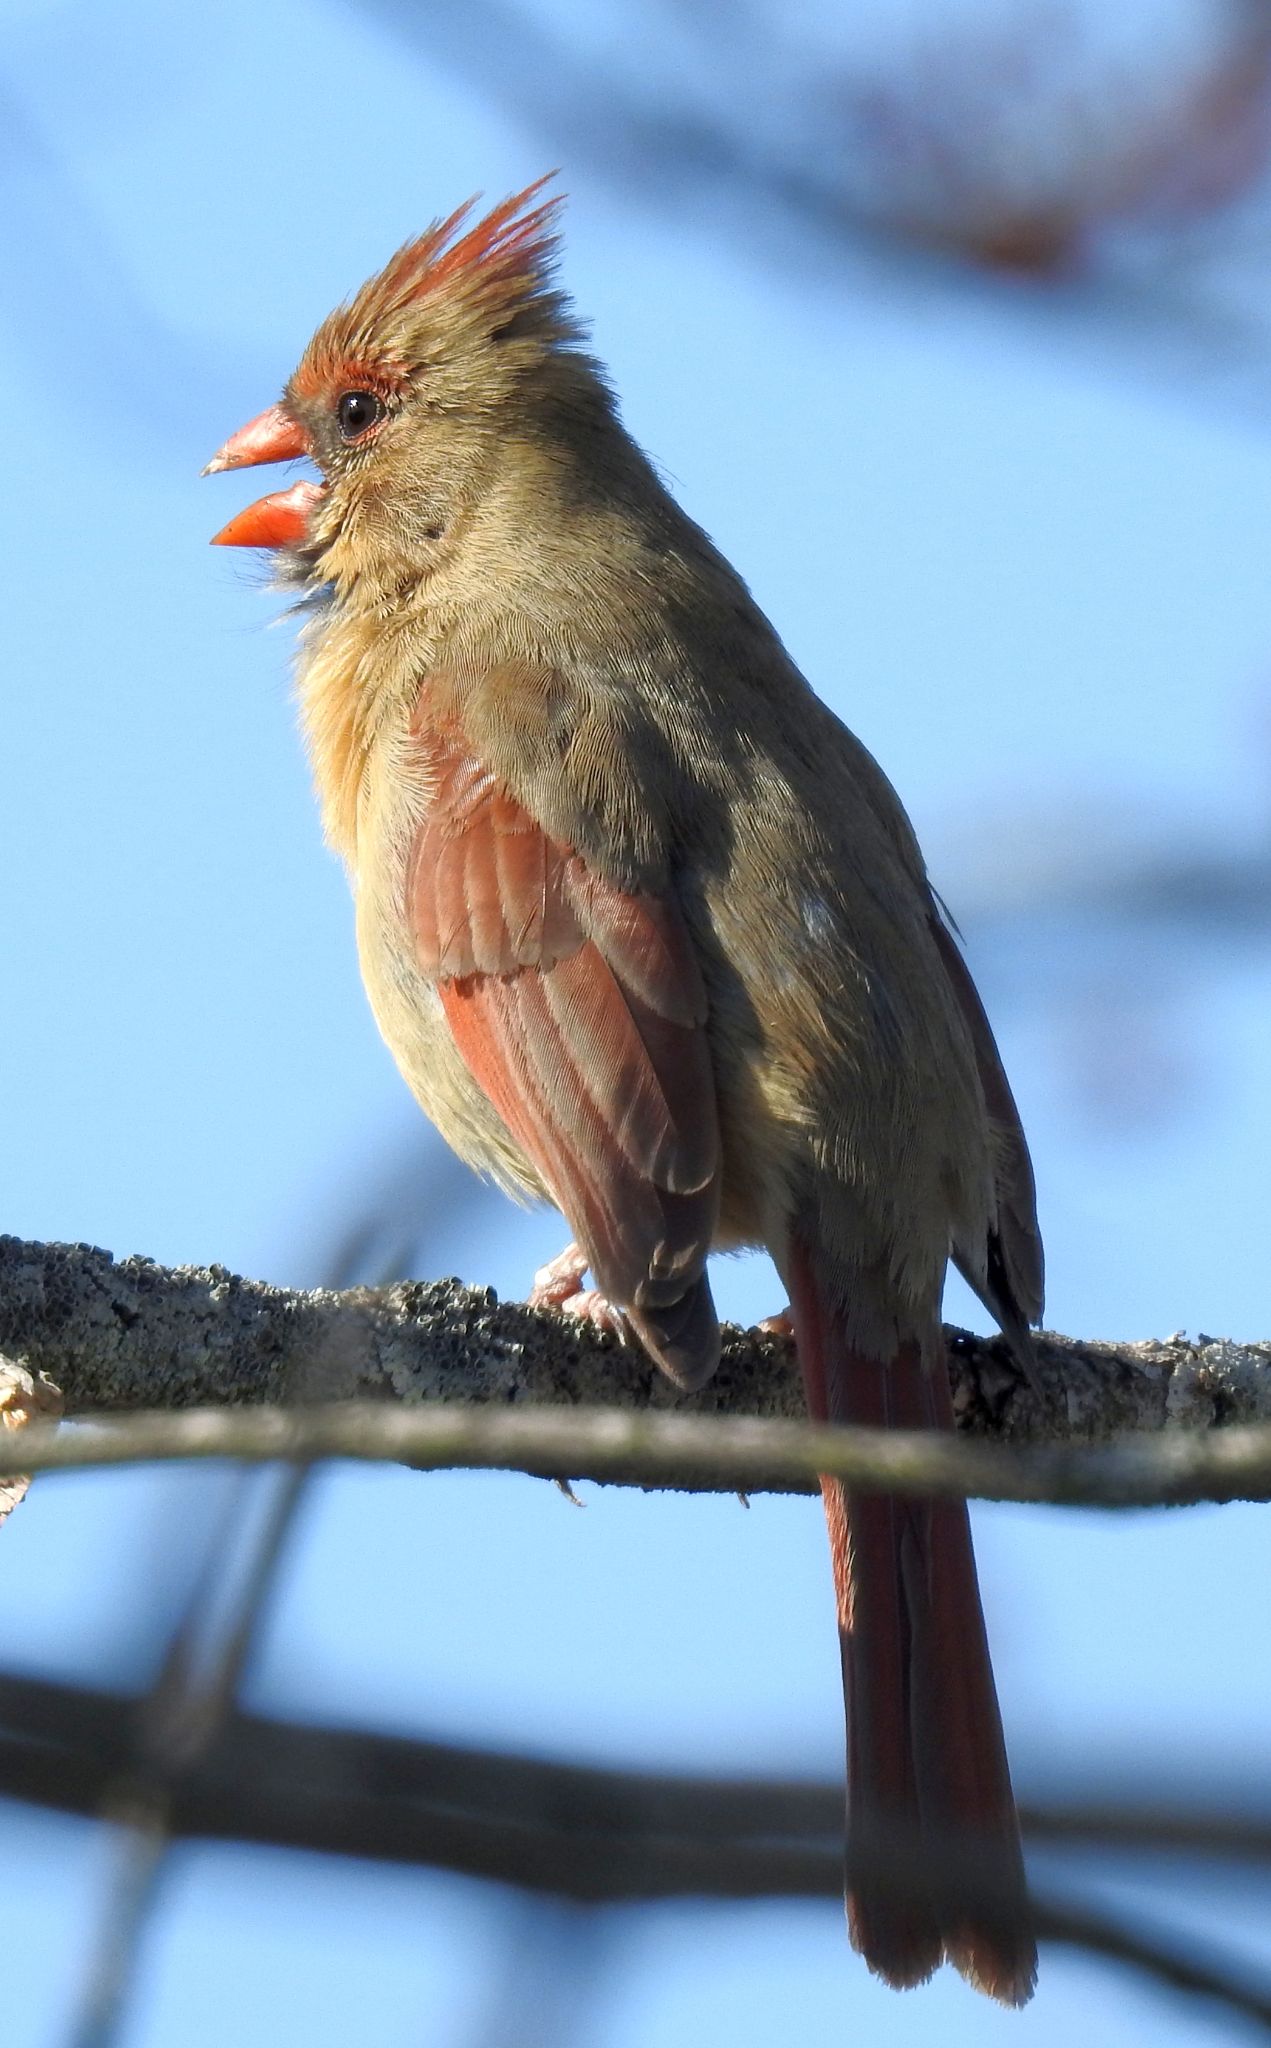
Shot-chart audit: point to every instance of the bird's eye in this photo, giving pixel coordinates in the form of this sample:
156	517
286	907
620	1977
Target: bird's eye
356	411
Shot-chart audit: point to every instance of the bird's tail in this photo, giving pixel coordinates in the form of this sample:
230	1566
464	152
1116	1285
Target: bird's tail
934	1862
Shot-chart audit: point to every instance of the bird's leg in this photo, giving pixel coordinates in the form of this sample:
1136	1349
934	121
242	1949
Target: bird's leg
559	1285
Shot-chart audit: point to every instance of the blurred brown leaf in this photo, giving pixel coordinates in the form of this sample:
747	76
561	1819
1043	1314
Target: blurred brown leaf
1014	145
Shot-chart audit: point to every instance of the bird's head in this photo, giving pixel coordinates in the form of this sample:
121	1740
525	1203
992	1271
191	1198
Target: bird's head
403	399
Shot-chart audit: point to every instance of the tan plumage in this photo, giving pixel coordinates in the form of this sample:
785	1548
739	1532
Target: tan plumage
649	934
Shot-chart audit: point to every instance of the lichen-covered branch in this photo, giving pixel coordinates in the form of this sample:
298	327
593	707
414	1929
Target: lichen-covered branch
439	1374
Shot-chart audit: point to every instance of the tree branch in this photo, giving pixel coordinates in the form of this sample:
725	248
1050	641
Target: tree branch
404	1372
120	1335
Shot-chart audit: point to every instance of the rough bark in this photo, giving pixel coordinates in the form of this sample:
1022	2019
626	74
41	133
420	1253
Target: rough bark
119	1336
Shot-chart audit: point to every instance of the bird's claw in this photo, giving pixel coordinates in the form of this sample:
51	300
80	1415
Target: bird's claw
589	1305
559	1285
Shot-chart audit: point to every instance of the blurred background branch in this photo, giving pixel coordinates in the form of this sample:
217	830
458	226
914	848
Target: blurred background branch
586	1836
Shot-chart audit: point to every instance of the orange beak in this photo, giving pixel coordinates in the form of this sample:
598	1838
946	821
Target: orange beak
282	518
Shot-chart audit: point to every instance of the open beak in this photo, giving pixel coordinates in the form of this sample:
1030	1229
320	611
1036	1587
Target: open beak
282	518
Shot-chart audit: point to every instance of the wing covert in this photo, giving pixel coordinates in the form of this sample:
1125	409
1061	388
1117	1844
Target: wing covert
580	1011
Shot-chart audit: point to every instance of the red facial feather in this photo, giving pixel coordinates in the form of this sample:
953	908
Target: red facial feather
326	373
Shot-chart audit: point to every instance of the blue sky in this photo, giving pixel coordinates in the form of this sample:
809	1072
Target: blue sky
1034	577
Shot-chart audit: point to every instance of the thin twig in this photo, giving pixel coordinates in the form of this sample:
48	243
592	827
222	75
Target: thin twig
183	1714
178	1722
139	1852
692	1452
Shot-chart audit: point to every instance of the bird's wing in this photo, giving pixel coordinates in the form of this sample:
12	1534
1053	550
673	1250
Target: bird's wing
580	1011
1008	1272
1013	1286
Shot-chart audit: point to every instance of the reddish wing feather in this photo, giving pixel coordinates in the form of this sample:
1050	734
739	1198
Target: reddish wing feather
579	1010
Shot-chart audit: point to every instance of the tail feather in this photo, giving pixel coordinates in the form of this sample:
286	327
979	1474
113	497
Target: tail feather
934	1861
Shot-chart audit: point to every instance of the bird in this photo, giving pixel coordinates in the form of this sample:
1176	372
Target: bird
650	936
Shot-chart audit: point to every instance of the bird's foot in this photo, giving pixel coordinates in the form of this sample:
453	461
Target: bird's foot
560	1280
559	1285
591	1306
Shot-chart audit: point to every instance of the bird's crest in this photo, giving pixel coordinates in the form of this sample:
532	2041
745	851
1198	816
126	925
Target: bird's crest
511	250
500	267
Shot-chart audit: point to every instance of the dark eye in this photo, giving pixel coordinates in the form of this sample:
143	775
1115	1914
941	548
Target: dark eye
356	411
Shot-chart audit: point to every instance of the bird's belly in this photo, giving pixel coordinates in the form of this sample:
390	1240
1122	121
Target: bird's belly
408	1011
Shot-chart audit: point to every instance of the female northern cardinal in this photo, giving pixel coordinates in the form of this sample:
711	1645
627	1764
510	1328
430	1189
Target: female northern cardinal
648	933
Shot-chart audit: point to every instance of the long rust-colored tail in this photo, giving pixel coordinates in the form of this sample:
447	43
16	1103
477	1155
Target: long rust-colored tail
934	1862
